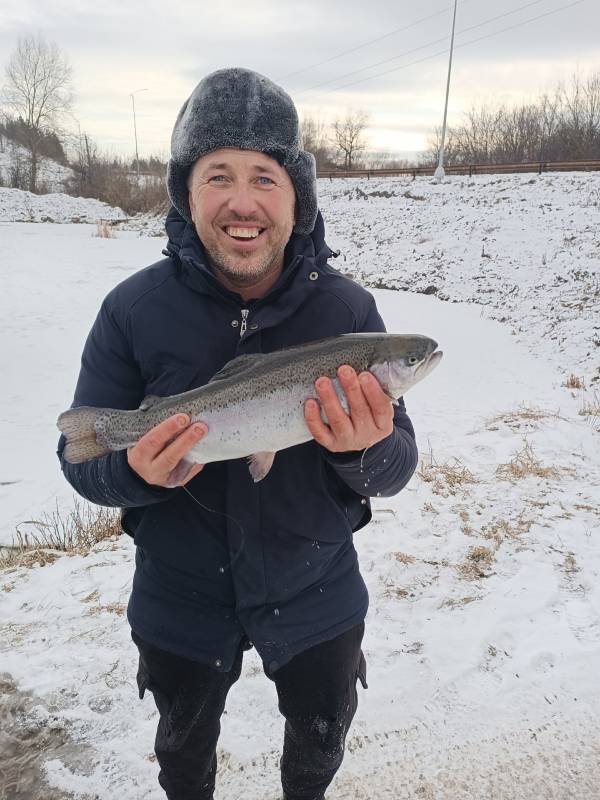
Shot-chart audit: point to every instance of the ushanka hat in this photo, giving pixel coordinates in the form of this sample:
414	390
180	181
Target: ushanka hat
240	108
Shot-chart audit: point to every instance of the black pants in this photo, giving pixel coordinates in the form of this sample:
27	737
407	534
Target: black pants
317	696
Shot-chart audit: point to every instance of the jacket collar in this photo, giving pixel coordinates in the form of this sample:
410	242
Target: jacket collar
303	255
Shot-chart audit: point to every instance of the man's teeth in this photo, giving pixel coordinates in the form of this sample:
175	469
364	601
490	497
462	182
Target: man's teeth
243	233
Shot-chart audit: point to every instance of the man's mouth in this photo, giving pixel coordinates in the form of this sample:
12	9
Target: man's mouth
242	234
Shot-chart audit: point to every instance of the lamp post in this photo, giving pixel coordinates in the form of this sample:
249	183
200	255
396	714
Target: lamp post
137	160
439	174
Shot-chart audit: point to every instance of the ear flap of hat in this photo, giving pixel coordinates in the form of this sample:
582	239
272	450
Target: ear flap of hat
303	173
177	188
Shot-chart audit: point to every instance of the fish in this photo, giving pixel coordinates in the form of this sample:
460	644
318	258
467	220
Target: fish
254	405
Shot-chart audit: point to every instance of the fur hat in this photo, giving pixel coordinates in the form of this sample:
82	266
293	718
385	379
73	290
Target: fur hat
240	108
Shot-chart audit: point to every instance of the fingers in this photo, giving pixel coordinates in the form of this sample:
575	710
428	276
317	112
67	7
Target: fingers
380	405
316	426
159	451
368	420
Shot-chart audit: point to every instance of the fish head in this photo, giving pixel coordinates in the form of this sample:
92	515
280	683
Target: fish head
401	361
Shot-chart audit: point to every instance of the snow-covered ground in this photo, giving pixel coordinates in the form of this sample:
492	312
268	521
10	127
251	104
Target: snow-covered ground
51	175
19	206
483	635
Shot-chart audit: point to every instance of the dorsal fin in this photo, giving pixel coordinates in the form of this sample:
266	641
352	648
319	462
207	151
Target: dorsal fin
149	401
237	365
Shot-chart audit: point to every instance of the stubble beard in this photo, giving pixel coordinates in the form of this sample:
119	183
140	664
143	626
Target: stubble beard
242	274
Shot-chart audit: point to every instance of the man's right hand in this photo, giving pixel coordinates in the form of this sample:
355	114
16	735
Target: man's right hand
158	453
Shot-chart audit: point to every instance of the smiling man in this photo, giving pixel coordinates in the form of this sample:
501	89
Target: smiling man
222	563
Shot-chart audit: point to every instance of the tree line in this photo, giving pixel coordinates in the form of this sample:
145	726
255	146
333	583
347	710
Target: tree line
563	125
37	105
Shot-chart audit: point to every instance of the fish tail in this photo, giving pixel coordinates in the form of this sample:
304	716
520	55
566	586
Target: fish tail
78	426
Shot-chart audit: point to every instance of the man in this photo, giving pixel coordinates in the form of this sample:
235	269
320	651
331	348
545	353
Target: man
223	563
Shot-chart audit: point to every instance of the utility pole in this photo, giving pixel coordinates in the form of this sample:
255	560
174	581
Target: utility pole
137	159
439	174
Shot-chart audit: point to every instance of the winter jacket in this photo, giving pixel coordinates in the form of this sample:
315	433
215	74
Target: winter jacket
271	562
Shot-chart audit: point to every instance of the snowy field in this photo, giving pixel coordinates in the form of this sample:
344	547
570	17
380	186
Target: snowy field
483	635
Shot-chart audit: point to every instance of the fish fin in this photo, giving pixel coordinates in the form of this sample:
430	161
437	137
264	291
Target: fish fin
178	475
259	465
237	365
78	426
149	401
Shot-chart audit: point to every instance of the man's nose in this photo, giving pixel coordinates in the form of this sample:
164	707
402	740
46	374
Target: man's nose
242	200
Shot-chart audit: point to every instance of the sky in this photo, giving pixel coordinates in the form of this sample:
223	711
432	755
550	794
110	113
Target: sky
322	53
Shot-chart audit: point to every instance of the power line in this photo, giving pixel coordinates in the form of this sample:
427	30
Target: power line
365	44
464	44
416	49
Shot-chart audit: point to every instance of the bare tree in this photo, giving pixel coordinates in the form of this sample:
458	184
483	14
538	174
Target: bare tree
348	135
38	83
314	139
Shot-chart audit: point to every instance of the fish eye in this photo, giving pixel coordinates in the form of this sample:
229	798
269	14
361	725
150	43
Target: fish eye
412	360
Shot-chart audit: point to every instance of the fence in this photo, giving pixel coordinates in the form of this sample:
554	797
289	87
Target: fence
466	169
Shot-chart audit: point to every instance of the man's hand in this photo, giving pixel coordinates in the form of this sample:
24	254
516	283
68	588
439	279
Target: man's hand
158	453
370	417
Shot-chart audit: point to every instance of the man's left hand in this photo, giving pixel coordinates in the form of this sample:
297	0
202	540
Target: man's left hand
369	418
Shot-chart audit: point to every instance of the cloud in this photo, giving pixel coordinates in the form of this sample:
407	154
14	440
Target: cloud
120	47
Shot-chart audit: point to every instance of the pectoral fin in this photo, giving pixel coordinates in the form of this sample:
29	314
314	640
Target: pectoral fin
179	474
259	465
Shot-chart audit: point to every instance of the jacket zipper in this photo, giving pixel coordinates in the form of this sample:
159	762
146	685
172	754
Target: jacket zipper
243	326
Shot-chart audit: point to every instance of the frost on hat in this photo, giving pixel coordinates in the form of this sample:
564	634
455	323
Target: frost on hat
240	108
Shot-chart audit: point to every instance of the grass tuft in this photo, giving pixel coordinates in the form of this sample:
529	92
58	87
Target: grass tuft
40	541
574	382
478	563
522	416
591	410
525	463
104	230
446	479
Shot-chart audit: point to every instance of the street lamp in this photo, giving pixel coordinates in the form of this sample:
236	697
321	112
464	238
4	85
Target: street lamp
137	160
439	174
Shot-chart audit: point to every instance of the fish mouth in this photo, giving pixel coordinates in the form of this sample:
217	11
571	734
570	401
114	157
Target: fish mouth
429	363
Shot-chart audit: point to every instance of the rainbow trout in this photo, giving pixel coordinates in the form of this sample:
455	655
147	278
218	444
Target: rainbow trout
254	406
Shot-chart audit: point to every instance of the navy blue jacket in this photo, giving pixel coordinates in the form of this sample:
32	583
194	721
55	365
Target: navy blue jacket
271	562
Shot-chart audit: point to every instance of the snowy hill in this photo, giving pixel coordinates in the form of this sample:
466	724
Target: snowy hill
483	635
51	175
19	206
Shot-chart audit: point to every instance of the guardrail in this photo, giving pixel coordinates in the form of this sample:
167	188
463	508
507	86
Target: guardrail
466	169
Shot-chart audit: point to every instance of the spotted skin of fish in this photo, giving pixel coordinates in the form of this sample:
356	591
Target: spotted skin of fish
255	404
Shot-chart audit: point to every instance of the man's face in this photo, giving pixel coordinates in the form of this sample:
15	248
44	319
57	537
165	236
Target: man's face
243	207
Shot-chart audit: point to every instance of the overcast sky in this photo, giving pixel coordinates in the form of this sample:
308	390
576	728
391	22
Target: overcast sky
122	46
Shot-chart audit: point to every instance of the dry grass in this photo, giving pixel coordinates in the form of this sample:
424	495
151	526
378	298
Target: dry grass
104	230
110	608
523	416
396	592
498	530
525	463
591	410
574	382
403	558
448	478
478	563
570	565
458	602
40	542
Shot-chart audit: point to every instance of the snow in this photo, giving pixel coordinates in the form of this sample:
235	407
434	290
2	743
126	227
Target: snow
51	174
19	206
482	673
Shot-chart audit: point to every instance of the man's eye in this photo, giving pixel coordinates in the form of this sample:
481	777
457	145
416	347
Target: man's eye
216	178
264	178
